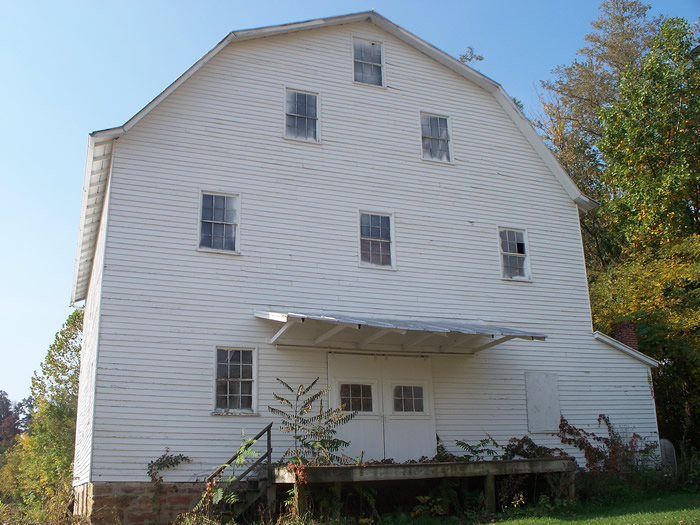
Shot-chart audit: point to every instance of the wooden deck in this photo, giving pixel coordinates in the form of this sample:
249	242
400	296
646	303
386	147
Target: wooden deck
487	469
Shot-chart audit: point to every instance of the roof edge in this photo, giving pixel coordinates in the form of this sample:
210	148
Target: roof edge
581	200
83	210
649	361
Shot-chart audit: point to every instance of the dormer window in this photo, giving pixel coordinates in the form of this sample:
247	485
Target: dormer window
514	258
368	62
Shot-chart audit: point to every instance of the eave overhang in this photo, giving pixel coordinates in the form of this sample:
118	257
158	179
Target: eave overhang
365	333
98	166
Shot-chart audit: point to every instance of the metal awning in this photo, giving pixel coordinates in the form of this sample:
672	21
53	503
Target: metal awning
356	332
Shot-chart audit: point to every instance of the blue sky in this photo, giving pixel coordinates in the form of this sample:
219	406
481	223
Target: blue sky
77	66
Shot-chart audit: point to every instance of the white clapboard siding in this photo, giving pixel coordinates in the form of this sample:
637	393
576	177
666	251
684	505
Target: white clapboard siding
166	307
82	463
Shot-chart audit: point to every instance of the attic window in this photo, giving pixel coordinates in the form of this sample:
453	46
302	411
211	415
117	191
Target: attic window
514	258
436	137
368	62
301	118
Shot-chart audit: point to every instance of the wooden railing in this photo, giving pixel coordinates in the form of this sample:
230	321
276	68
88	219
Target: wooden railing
266	457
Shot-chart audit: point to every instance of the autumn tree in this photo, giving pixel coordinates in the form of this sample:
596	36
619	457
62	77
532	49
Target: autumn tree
38	469
650	146
569	122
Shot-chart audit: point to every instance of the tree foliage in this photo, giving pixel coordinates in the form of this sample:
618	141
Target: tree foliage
651	142
622	119
570	124
314	432
58	381
37	470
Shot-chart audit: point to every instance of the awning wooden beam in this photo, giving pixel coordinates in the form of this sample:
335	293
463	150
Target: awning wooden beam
457	342
330	333
285	327
424	336
378	335
493	343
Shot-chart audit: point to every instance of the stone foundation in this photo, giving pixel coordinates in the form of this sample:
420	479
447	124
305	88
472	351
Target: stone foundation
123	503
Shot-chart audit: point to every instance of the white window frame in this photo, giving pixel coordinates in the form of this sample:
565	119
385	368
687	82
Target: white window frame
423	385
392	241
288	89
237	223
450	152
376	394
383	63
528	273
253	411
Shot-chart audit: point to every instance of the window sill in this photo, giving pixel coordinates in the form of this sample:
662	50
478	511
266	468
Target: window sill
235	413
374	86
437	161
220	252
303	141
378	267
517	280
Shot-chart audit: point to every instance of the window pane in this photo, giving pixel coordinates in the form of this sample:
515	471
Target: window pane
247	371
398	404
311	106
221	402
221	388
355	390
418	405
207	213
358	72
246	388
344	390
229	243
367	404
222	371
246	357
375	76
246	402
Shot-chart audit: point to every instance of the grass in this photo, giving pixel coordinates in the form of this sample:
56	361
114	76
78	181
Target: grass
673	509
678	509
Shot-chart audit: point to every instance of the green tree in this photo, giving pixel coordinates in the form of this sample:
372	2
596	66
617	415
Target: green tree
38	469
569	123
58	380
651	143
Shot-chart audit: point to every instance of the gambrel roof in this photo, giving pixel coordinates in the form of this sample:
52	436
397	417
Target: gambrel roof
100	143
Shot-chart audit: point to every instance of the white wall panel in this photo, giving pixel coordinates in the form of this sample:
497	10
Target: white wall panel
166	306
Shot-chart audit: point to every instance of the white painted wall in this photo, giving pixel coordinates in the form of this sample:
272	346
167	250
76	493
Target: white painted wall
82	462
166	306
